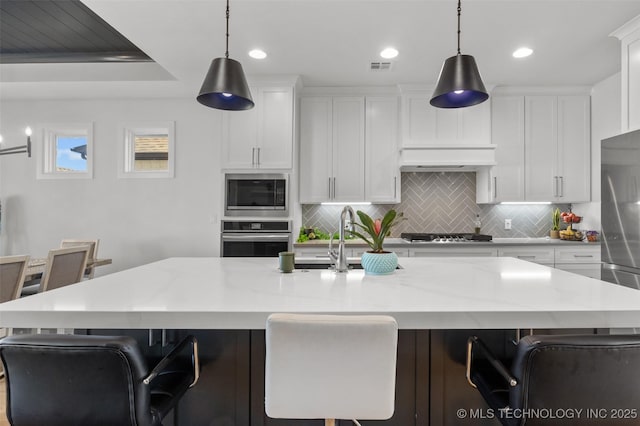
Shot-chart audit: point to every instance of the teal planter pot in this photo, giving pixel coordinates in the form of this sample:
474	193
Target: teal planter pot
379	263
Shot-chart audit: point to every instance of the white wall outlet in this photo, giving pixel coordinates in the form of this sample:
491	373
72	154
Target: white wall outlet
507	224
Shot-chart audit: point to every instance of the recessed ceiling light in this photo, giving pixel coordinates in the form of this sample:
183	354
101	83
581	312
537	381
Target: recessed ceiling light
522	52
389	53
258	54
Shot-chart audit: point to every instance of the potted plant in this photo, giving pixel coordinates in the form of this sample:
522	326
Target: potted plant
555	224
376	261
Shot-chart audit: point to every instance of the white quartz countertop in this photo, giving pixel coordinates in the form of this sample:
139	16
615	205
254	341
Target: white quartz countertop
239	293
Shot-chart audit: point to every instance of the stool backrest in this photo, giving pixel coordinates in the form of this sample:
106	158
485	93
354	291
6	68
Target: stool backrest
64	380
330	366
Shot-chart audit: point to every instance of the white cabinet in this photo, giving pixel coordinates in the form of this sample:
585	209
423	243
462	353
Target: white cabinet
262	137
557	148
507	133
425	125
348	149
629	36
583	260
541	255
331	149
382	175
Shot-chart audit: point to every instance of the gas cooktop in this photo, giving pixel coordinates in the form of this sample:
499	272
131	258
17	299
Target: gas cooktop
443	238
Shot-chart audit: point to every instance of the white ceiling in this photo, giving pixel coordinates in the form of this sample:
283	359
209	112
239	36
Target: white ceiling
332	42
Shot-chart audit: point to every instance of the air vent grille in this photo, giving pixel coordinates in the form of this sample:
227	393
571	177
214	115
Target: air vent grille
380	66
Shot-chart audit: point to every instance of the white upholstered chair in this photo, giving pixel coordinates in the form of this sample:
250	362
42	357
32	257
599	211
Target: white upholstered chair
93	252
330	367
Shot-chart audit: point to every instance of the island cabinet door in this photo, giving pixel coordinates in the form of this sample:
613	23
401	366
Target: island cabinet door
412	384
453	401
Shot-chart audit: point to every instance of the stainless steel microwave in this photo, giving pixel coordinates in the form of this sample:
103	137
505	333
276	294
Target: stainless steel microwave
250	194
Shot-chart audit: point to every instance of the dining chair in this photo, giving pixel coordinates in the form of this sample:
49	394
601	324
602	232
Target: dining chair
12	273
64	266
593	377
93	252
67	380
330	367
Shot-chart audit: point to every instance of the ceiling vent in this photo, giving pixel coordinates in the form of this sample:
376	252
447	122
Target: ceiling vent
380	66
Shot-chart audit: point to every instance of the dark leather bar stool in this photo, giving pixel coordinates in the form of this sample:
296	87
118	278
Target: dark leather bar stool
567	380
66	380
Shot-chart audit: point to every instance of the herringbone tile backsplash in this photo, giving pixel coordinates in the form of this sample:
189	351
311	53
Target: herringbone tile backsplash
444	202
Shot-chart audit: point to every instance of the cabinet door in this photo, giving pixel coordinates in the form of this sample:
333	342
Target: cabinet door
348	149
507	130
574	149
240	138
315	149
418	121
541	123
474	124
381	149
275	137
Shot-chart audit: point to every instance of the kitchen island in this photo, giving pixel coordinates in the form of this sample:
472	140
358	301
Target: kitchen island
239	293
224	302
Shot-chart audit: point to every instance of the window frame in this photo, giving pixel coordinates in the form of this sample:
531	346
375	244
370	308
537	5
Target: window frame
128	131
48	157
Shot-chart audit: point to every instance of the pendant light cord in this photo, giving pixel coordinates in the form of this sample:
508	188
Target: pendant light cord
459	10
226	53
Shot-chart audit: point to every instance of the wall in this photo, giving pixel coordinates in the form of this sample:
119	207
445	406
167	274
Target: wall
605	122
136	220
444	202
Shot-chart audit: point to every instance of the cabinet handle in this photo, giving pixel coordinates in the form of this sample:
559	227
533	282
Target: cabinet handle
495	187
526	257
330	196
253	156
555	186
258	162
583	255
395	187
561	178
334	188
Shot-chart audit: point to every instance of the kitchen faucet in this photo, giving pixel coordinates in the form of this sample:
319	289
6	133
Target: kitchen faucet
340	258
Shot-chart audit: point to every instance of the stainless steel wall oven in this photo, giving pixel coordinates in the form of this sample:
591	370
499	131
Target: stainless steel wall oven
255	238
250	194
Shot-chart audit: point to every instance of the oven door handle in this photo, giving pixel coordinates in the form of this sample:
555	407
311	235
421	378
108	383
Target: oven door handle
256	237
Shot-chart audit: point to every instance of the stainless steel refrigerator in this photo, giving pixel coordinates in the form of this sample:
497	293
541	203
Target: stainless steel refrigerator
621	209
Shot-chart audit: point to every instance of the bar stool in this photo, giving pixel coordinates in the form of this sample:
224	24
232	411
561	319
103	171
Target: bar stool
330	367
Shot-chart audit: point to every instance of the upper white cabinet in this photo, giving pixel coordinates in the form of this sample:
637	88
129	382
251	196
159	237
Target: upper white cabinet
331	149
542	149
382	175
262	137
507	133
557	148
629	36
348	149
425	125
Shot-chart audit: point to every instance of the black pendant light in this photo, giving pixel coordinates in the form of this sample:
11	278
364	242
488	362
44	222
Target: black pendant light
459	84
225	86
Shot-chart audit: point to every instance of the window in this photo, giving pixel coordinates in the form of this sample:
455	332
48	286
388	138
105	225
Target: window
67	151
148	151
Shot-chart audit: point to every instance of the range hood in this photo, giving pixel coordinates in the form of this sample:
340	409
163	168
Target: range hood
447	158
